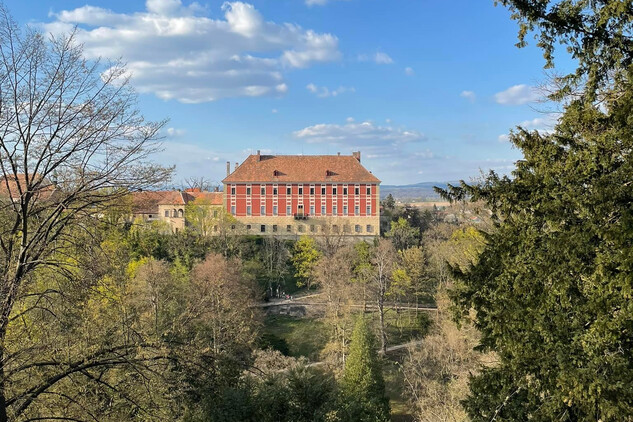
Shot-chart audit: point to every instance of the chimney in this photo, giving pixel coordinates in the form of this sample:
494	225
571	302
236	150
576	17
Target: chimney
356	154
228	168
338	153
237	165
216	189
259	156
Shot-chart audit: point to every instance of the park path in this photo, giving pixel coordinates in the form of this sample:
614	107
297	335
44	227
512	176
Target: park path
299	300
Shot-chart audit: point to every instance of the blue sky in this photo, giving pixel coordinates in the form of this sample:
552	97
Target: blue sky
426	90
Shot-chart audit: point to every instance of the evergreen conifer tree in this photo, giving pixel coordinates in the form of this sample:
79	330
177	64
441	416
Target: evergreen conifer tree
362	386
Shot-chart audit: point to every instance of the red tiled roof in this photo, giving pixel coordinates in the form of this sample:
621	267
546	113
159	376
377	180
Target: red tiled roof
301	169
174	197
213	198
147	202
10	186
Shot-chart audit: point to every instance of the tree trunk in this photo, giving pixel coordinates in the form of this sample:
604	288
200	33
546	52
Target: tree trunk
381	312
364	298
3	401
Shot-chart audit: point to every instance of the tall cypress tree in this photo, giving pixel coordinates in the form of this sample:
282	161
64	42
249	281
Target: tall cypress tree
363	386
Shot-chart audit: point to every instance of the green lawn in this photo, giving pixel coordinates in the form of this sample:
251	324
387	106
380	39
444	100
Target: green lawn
404	326
394	384
295	336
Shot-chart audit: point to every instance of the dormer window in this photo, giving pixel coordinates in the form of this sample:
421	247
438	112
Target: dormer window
329	173
276	173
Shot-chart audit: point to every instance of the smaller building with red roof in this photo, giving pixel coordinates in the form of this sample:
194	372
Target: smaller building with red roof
170	206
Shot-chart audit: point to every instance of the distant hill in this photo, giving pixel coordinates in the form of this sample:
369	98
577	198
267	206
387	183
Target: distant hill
417	192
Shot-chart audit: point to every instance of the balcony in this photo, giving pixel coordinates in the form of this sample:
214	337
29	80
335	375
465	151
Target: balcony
301	216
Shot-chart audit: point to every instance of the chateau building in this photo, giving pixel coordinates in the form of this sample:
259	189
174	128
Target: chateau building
295	194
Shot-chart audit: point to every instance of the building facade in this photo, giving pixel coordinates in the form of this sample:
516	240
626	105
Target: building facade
290	195
170	207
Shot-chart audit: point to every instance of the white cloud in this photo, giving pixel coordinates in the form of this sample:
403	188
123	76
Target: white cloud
409	71
378	58
174	52
324	92
357	134
162	7
517	95
174	133
274	111
469	95
318	2
544	125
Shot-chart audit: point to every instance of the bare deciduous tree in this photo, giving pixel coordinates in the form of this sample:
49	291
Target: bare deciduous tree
200	183
276	257
383	259
333	274
71	141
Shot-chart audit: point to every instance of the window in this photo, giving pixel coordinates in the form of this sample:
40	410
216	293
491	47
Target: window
215	213
334	190
215	228
174	213
232	209
311	209
368	190
312	228
248	210
167	213
370	228
248	191
262	210
368	210
357	228
288	190
300	190
275	191
181	213
322	190
248	227
334	210
344	191
274	209
232	190
344	209
232	226
150	216
288	228
263	190
274	228
288	210
335	228
262	228
322	209
356	210
301	228
311	190
347	228
356	190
